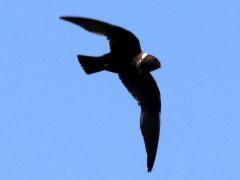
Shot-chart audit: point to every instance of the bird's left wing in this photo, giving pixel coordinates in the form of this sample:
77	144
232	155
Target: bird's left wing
121	40
145	90
92	25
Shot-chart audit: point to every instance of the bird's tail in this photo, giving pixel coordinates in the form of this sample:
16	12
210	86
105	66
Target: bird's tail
91	64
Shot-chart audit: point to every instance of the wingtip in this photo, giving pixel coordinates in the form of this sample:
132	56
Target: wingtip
150	169
72	19
66	18
150	160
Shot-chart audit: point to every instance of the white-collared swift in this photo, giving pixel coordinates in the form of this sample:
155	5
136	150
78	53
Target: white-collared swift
133	67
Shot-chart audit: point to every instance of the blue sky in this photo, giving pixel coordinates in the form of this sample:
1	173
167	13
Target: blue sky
57	123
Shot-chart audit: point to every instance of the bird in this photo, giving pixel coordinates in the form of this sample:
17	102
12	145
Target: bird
133	67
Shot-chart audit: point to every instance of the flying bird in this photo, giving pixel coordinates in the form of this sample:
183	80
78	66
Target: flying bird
133	67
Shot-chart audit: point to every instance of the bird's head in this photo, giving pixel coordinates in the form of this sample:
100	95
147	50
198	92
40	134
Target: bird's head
149	62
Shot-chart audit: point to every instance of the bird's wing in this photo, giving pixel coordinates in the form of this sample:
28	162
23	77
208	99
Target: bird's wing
145	90
121	40
91	25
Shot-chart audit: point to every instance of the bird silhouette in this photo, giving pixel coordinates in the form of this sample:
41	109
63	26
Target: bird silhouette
133	67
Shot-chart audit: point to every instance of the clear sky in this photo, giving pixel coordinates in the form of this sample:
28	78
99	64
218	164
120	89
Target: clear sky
57	123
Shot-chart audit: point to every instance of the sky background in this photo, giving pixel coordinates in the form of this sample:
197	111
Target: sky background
57	123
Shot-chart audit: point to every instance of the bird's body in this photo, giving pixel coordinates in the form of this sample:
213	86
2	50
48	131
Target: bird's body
133	68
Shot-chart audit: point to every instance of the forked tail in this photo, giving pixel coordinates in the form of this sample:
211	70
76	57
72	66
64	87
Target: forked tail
91	64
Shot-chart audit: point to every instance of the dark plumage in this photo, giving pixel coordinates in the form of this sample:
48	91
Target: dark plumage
133	68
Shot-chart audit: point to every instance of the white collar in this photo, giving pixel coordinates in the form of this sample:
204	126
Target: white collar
138	59
143	55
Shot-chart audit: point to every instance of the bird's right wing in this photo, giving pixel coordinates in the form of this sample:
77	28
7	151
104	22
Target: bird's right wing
144	88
